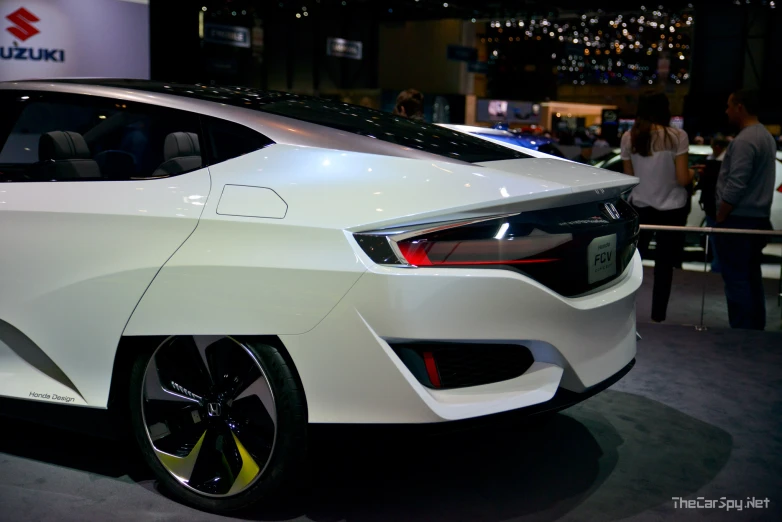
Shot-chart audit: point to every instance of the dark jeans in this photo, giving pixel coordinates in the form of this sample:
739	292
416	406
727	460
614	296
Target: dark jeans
740	257
667	255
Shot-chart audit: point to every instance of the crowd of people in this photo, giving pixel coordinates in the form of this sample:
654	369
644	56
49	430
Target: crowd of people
737	186
736	183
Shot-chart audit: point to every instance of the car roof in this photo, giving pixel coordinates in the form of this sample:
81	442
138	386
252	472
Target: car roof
294	119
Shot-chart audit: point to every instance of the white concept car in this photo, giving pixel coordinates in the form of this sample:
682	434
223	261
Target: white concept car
225	265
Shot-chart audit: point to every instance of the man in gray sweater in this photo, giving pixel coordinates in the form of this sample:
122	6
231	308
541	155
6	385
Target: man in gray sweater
745	189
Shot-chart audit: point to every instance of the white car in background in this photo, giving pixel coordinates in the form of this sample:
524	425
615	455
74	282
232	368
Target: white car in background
227	265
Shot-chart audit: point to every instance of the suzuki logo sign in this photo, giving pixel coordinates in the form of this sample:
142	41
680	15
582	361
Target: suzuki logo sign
23	20
73	39
23	29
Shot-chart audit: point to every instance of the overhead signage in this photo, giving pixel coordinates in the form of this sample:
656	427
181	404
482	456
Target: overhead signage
233	35
508	111
342	48
478	67
610	116
22	28
73	38
460	53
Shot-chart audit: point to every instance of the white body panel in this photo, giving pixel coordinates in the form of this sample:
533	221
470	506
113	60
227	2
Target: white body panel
350	373
258	276
258	202
76	259
262	244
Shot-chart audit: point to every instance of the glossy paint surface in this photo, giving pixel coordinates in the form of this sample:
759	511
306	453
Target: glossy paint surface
215	252
76	259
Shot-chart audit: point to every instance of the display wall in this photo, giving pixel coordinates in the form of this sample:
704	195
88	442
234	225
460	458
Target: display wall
74	38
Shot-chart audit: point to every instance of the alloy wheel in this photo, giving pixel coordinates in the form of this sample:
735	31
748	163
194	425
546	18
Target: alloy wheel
209	413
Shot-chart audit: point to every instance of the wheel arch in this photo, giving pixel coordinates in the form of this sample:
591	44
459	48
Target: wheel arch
131	345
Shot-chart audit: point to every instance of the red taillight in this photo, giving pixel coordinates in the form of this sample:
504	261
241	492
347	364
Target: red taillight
779	188
517	251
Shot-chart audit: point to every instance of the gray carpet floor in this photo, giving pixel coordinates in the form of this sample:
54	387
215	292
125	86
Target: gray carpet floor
700	415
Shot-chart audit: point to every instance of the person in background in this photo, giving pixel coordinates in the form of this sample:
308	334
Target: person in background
698	140
410	104
658	155
566	138
601	143
707	184
745	188
586	153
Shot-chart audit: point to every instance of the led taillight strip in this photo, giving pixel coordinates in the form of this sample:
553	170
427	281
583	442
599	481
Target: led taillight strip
418	257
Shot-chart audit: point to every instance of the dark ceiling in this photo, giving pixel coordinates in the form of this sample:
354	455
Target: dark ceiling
484	9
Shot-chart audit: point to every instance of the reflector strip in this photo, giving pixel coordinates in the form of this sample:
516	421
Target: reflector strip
431	369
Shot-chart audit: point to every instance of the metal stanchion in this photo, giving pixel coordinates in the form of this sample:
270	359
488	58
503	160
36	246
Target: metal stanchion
707	231
700	326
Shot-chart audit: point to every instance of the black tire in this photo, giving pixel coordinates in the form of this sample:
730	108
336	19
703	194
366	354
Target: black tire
284	465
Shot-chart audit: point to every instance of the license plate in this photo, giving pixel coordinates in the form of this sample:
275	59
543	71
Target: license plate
601	258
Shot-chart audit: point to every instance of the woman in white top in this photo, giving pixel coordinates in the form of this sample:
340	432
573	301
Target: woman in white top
656	153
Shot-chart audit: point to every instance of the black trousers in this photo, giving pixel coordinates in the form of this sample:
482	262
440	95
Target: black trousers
667	255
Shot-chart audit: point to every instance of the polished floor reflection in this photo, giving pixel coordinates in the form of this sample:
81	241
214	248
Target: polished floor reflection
699	416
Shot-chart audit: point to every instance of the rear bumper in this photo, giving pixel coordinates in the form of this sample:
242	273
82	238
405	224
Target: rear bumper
351	374
565	398
562	400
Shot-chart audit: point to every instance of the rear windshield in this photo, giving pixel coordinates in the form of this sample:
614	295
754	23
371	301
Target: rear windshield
387	127
336	115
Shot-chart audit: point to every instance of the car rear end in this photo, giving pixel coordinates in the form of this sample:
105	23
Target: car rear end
513	307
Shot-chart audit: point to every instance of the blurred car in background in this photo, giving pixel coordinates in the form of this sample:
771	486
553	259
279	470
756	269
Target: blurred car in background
698	155
528	141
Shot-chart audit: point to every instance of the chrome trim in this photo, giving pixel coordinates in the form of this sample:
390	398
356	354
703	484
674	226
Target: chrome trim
397	234
398	253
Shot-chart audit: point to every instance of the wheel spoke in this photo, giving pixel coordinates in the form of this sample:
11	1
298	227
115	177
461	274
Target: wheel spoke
248	471
260	388
258	441
181	370
218	464
173	427
182	467
203	342
154	389
228	361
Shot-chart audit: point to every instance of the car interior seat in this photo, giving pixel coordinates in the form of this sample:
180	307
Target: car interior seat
116	164
182	153
65	155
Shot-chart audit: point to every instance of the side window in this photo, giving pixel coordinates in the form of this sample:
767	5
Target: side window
73	138
230	140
